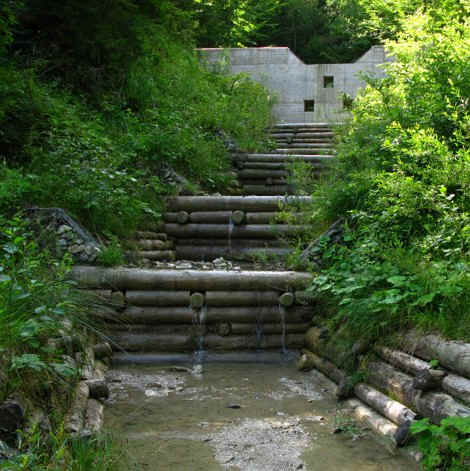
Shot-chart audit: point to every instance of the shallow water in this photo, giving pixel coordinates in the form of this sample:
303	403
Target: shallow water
247	417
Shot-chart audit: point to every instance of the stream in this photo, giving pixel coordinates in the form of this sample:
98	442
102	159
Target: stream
238	416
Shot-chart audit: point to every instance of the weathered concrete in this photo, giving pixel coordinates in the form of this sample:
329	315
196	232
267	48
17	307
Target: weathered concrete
294	82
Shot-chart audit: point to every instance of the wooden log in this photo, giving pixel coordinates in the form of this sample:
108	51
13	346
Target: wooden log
231	203
186	252
155	254
456	386
236	243
197	300
265	165
102	350
267	190
180	315
180	343
436	406
267	328
98	389
393	410
263	182
375	421
326	367
262	174
150	235
152	244
242	298
75	418
254	231
158	298
94	416
320	158
451	354
238	217
261	218
316	341
286	299
141	279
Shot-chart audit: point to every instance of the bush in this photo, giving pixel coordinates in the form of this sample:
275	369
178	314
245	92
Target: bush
401	181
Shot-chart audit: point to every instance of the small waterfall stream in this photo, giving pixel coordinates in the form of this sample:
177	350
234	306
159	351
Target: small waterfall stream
282	316
230	231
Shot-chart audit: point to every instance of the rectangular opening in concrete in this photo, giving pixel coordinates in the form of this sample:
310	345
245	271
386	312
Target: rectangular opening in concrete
328	81
309	106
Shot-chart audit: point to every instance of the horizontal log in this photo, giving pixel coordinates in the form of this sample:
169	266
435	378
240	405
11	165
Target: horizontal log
267	329
393	410
456	386
150	235
161	255
265	165
436	406
263	181
158	298
236	243
258	231
185	315
454	355
325	367
230	203
242	298
187	252
319	158
267	190
152	244
205	217
375	421
142	279
315	342
262	174
180	343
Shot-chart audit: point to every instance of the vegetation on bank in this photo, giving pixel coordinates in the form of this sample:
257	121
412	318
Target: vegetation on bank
401	182
93	113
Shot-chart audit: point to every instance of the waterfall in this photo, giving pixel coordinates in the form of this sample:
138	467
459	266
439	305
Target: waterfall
230	230
282	315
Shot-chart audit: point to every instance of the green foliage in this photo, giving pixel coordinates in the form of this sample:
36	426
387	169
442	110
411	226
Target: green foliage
34	302
401	181
57	450
112	254
125	98
445	446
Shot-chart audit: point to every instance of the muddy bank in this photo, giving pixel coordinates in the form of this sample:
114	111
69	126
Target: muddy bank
238	417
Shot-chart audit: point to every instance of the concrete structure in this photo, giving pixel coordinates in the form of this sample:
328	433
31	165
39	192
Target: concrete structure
306	93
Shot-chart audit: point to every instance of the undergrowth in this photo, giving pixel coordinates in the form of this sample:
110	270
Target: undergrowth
401	183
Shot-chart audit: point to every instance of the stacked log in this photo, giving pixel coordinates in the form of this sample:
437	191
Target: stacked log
147	245
271	173
399	387
169	310
233	227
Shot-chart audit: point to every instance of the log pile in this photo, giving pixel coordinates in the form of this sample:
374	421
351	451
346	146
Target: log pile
399	387
170	310
271	173
232	227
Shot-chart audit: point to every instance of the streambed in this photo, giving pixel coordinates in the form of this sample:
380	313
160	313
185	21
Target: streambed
232	416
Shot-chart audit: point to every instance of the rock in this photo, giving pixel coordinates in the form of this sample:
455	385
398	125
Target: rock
64	228
6	452
11	420
402	435
345	389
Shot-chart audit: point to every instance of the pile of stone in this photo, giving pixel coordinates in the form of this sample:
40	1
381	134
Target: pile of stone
61	234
